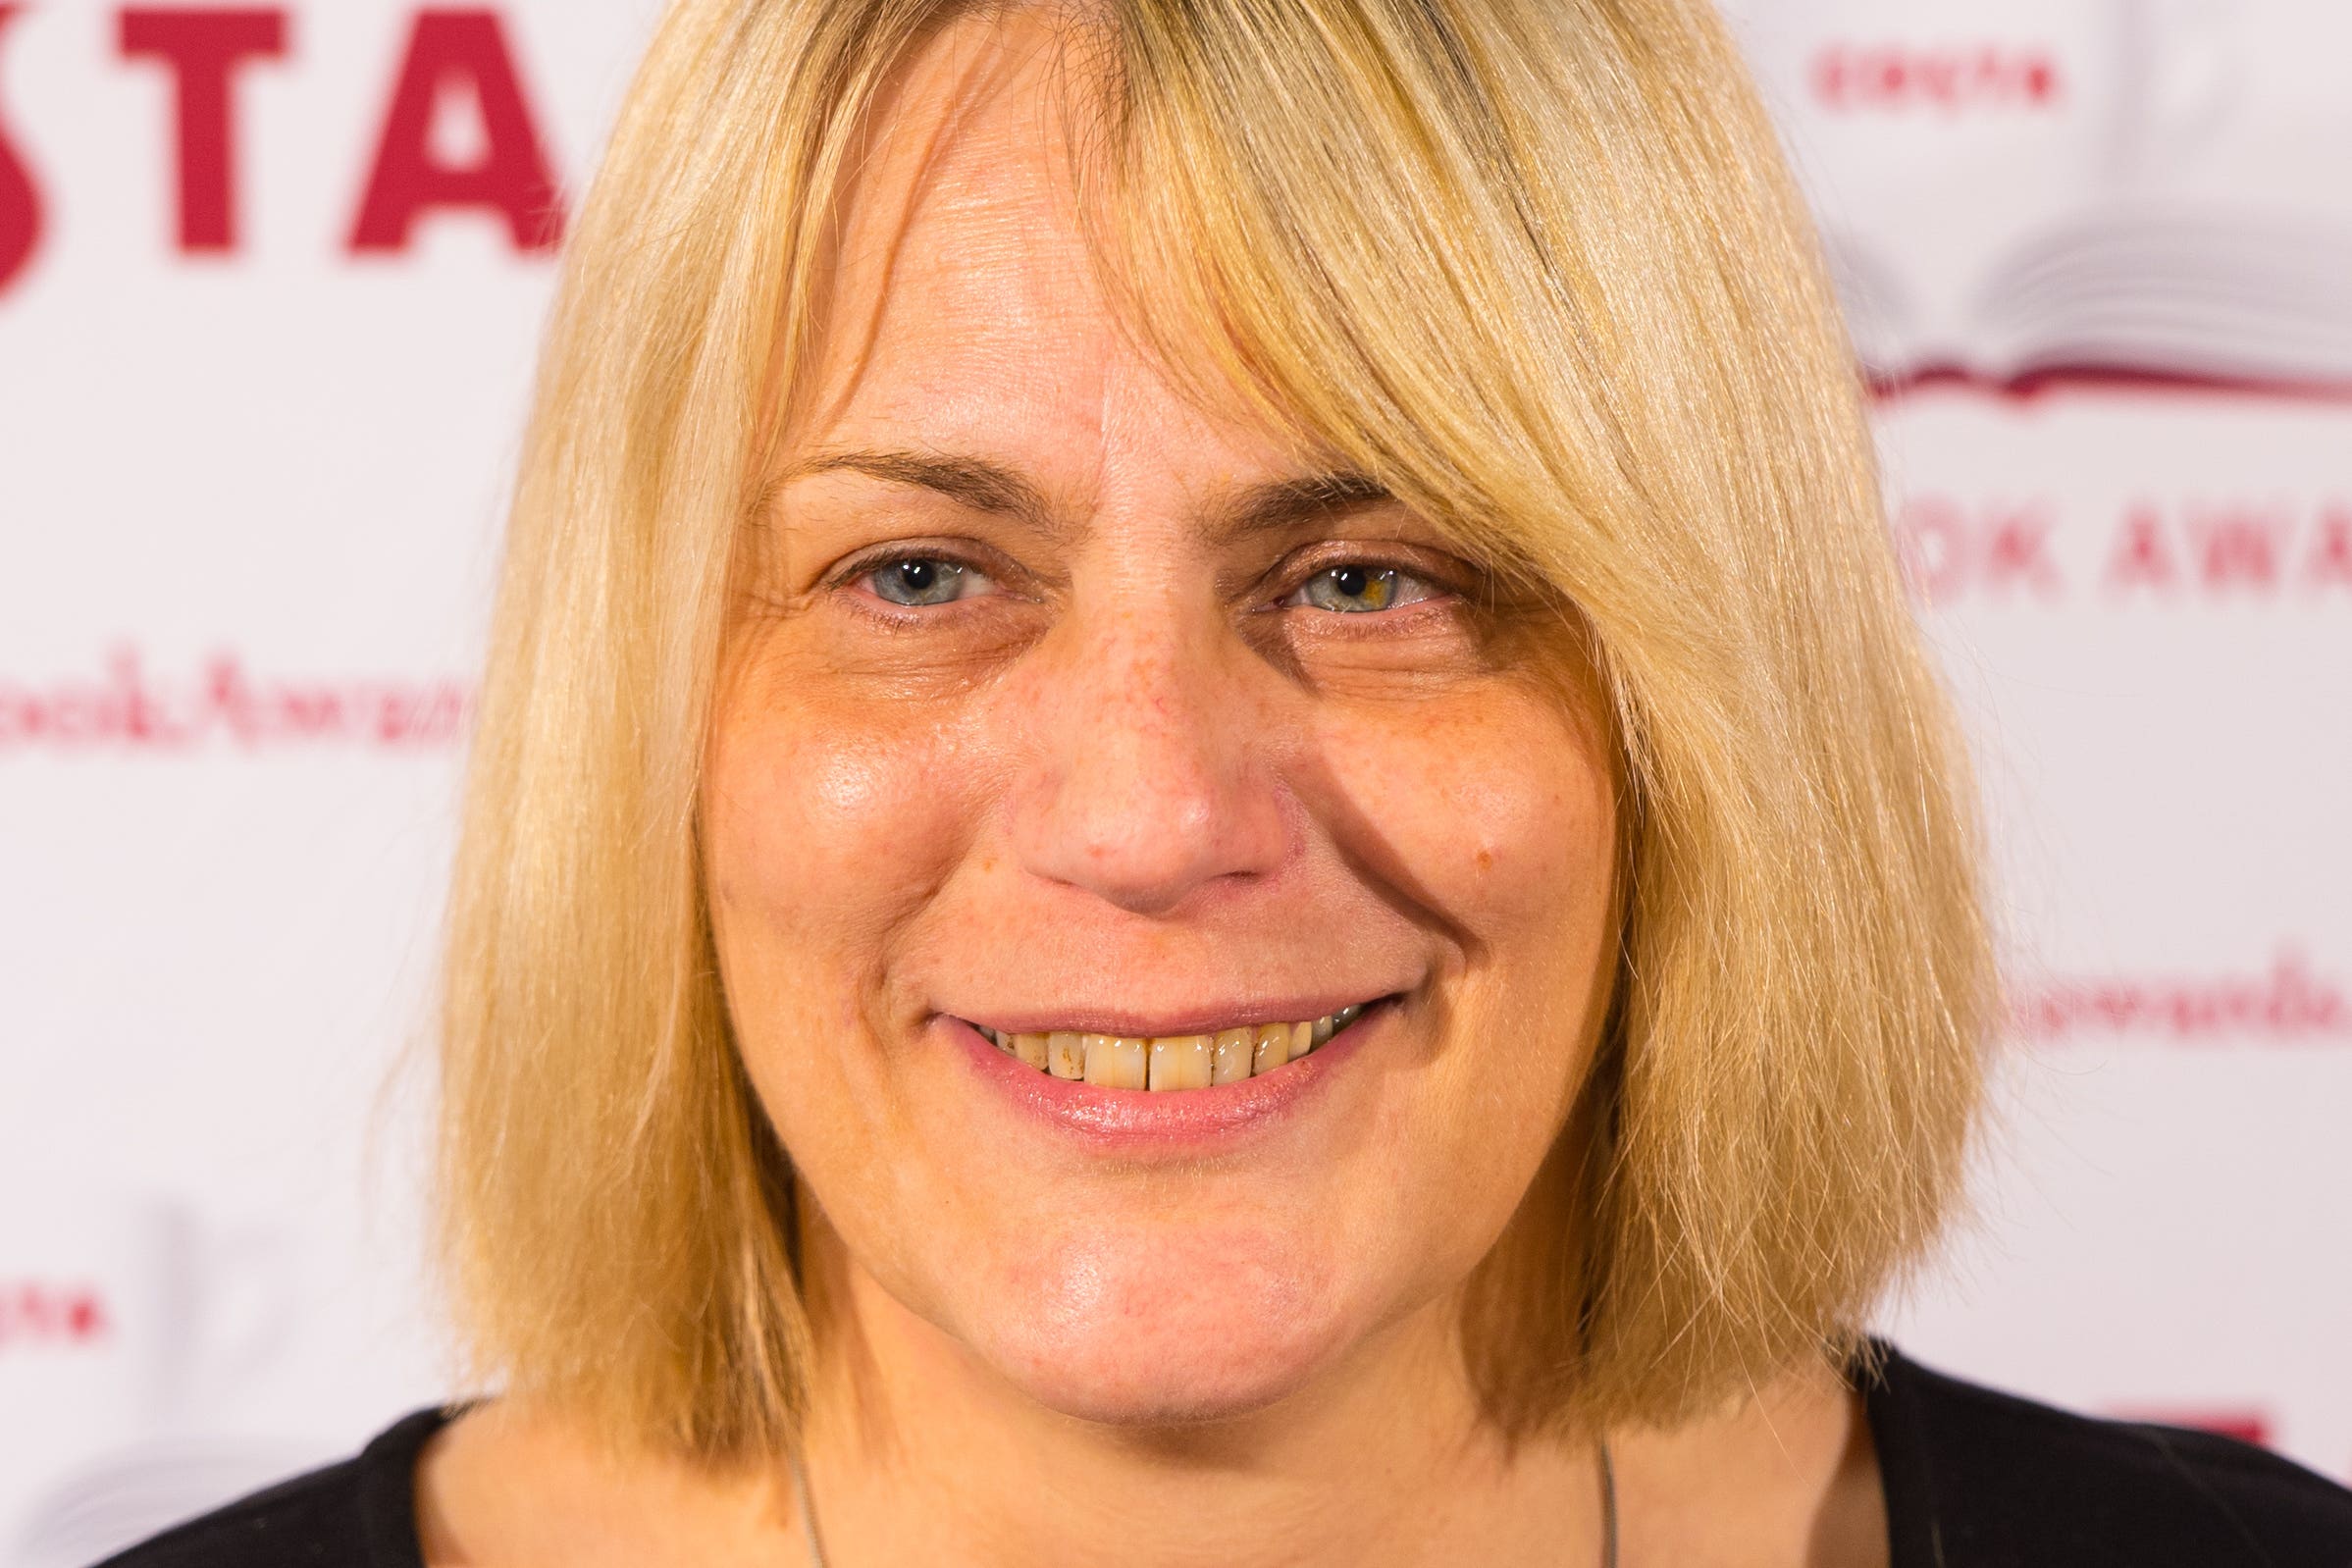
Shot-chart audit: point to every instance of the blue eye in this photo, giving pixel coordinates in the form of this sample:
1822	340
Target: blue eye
922	580
1354	587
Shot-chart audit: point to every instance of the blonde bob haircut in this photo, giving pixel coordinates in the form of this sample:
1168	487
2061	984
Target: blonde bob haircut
1534	264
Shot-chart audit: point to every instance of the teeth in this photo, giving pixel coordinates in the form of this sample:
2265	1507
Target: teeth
1172	1061
1116	1062
1228	1056
1094	1050
1180	1062
1234	1054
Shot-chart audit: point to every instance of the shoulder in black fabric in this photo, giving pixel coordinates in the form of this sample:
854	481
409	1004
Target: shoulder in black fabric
1979	1479
360	1513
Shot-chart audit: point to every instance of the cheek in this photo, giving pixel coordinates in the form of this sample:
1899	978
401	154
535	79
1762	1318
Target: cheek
824	834
1495	816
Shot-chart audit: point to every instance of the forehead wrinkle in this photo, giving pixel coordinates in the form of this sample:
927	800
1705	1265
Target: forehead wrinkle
903	162
1229	514
961	104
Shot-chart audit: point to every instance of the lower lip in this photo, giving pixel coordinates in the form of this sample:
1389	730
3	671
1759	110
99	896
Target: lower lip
1173	1119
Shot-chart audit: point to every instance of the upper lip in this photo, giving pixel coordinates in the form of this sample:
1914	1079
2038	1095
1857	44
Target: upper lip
1083	1018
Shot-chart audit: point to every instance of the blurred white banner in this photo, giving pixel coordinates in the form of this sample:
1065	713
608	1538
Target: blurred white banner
271	278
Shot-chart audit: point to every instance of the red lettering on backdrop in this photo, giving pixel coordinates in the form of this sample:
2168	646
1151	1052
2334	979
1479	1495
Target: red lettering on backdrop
2142	558
450	50
2019	551
1950	77
2289	1004
46	1313
2235	546
20	199
202	49
1931	542
2229	548
229	702
1946	550
2330	563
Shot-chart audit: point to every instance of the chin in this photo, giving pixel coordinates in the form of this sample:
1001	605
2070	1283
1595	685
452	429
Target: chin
1119	1381
1187	1332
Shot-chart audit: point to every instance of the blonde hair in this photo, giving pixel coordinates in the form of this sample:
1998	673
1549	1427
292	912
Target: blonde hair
1532	264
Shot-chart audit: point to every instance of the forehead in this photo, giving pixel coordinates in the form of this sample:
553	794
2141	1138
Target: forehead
964	310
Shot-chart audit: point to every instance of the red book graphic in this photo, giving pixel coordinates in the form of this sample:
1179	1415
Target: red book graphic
20	199
2116	190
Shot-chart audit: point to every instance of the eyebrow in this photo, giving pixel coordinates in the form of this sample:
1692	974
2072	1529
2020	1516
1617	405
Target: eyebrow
1284	502
991	486
974	482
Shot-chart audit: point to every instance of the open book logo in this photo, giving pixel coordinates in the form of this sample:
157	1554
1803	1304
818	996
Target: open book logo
2172	207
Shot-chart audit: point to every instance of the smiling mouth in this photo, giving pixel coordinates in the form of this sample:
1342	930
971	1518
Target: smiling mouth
1171	1062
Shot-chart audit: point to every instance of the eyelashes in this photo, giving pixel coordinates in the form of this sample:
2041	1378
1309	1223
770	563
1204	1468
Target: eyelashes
918	580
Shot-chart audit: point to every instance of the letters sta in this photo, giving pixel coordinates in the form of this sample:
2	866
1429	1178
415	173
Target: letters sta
449	61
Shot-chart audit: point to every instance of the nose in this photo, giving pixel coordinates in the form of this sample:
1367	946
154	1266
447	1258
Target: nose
1153	775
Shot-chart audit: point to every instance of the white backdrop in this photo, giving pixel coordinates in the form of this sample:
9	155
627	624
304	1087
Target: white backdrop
270	281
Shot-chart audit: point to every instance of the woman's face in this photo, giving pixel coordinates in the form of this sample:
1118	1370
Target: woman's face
1062	707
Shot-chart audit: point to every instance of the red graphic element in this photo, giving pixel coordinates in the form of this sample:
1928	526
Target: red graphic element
2246	1425
20	199
36	1312
2031	386
2287	1004
202	49
1900	77
1947	549
450	51
125	709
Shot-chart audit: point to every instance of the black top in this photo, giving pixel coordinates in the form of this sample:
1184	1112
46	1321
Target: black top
1973	1479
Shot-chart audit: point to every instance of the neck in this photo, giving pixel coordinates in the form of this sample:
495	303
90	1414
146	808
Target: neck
918	1452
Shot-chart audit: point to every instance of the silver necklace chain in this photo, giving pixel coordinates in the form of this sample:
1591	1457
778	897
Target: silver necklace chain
816	1545
807	1511
1607	1507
